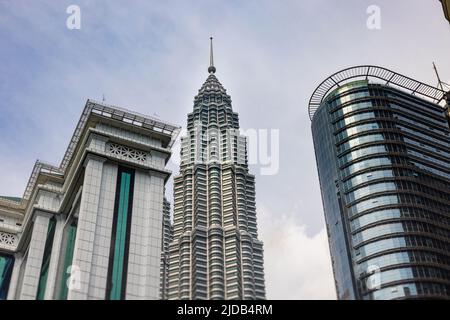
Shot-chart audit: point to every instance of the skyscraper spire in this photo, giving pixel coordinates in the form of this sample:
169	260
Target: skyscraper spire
211	68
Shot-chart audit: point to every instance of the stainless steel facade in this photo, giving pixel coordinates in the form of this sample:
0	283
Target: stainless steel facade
215	252
383	157
167	234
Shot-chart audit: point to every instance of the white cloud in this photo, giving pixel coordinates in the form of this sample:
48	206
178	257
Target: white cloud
296	266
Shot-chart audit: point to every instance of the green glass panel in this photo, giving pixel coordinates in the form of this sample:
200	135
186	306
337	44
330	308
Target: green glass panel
46	259
70	245
120	239
6	265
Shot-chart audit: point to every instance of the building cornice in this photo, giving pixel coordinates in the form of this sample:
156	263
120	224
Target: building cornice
105	111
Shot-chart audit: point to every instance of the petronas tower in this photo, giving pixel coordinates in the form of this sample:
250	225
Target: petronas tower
215	252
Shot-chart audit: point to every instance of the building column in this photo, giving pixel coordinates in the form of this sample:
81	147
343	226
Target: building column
35	255
14	277
54	259
103	231
87	220
144	260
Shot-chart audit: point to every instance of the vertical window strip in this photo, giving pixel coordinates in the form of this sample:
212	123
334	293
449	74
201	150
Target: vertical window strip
70	245
6	266
120	236
46	259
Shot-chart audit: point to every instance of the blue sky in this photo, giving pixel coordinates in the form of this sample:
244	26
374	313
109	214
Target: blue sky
152	57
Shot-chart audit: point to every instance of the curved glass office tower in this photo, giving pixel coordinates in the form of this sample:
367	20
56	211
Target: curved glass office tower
383	156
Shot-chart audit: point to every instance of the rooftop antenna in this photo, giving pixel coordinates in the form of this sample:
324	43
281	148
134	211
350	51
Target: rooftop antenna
103	98
441	84
211	68
446	97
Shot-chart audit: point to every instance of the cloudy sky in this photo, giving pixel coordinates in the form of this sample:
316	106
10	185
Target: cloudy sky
152	57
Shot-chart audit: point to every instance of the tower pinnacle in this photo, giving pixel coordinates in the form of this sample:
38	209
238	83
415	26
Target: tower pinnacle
211	68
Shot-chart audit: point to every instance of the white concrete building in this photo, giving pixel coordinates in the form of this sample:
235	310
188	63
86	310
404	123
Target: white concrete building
91	228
